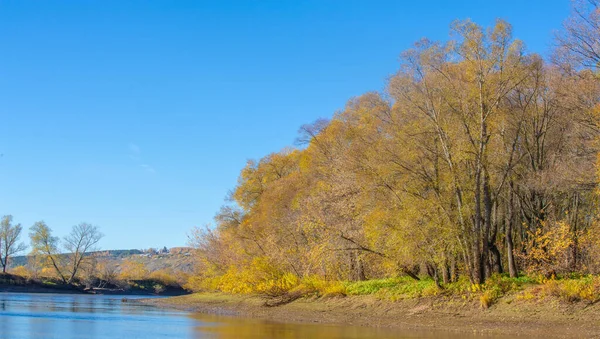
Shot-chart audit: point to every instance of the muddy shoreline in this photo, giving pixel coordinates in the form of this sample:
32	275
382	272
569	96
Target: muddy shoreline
548	318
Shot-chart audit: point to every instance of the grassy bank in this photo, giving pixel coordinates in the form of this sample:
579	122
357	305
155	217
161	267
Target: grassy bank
556	308
566	289
285	288
16	283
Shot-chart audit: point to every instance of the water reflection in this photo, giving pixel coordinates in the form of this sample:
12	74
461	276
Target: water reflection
224	327
24	316
87	316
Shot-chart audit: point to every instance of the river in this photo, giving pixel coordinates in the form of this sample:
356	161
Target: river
65	316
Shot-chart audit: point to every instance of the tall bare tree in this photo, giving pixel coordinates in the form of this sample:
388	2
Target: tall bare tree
83	239
77	245
579	41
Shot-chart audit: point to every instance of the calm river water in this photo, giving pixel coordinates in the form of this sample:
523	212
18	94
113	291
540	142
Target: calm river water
47	316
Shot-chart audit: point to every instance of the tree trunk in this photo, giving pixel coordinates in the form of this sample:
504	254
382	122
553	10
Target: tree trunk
360	270
445	271
453	270
408	272
475	247
433	272
574	228
512	267
487	203
496	258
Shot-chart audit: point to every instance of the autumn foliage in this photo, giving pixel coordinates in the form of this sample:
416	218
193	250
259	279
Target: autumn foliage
479	159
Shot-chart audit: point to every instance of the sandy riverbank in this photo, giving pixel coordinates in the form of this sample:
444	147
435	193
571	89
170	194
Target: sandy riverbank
547	318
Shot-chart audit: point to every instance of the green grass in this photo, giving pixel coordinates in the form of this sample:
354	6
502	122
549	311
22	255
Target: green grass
408	288
393	288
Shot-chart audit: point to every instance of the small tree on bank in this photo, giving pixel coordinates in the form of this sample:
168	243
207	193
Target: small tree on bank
9	237
45	246
82	240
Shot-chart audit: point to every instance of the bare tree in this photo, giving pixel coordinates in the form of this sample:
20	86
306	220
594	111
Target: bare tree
82	240
579	41
9	236
309	132
108	273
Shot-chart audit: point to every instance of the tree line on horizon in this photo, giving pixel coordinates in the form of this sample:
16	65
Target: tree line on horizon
64	256
75	261
479	158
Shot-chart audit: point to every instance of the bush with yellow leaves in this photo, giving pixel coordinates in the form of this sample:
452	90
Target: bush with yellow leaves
260	276
572	290
21	271
547	249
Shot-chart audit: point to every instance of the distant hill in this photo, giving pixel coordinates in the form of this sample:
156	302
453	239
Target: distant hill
176	258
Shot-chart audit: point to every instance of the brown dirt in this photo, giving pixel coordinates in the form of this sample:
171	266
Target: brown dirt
509	316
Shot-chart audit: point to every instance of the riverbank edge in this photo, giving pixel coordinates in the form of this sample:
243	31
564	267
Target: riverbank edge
18	284
510	316
75	290
71	289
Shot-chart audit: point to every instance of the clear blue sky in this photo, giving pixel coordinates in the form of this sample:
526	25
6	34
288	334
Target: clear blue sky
138	115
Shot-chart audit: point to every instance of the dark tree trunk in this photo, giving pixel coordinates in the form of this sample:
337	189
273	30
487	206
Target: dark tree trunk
360	270
432	271
453	270
574	230
487	240
512	267
496	259
356	271
477	272
446	272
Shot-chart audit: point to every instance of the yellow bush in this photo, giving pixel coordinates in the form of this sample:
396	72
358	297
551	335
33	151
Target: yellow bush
21	271
313	284
277	285
430	291
197	284
48	272
589	249
547	249
572	290
165	277
526	295
486	299
133	270
260	276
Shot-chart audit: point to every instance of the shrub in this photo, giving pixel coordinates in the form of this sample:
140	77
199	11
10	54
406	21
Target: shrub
547	249
133	270
499	285
573	290
394	288
315	285
260	276
487	299
21	271
165	277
